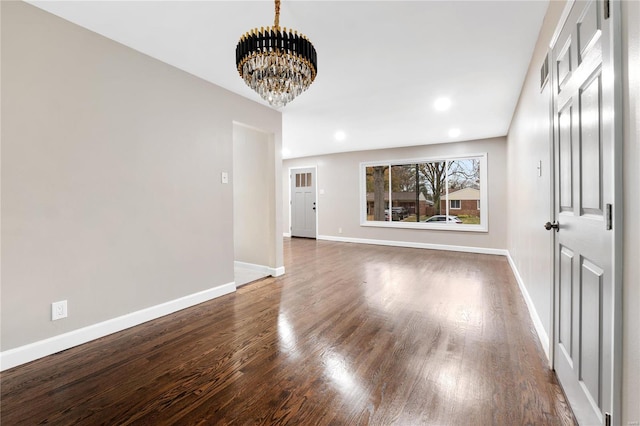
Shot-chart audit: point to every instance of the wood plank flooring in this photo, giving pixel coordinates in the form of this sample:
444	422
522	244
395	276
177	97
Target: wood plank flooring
351	335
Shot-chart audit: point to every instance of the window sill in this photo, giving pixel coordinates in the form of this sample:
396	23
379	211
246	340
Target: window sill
427	227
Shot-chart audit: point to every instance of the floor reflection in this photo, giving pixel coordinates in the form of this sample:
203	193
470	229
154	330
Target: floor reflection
287	336
339	370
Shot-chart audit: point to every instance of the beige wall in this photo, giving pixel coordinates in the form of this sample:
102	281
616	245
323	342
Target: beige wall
339	206
111	191
253	194
528	244
530	204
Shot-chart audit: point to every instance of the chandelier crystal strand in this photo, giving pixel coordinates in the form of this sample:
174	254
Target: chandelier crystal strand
277	64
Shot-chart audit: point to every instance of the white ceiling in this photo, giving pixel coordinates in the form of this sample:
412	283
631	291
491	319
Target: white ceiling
381	64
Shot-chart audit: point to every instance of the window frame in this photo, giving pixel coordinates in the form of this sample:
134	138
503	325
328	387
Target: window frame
455	208
483	226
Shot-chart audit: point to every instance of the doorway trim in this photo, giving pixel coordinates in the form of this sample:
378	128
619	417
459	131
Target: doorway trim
287	232
264	252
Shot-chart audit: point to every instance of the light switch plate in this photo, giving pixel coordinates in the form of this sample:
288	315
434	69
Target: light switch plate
224	176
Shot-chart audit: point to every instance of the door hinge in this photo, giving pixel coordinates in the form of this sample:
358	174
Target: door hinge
607	419
607	9
609	216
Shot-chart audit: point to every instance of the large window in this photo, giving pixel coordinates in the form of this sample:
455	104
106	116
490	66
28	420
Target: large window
442	193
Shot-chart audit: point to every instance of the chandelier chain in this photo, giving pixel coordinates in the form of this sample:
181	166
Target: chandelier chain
276	21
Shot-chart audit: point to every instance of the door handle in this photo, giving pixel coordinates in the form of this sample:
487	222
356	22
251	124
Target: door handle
549	226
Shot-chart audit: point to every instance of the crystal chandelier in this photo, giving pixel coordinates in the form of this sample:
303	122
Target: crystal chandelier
276	63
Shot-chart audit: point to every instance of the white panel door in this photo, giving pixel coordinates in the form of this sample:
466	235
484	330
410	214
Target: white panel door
303	203
583	107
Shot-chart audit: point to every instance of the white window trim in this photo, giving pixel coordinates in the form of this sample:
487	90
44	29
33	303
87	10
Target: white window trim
455	208
446	226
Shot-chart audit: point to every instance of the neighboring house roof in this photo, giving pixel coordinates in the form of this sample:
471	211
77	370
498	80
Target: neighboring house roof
401	197
465	194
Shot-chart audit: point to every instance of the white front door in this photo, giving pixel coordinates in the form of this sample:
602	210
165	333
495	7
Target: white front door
582	61
303	203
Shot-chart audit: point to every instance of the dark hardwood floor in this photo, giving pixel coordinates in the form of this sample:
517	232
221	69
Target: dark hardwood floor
351	335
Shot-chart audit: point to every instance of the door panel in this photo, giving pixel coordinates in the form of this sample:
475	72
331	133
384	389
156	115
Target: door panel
563	64
565	319
565	157
299	218
583	246
588	28
590	150
590	329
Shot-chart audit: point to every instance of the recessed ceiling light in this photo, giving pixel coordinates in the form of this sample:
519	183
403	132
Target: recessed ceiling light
442	104
340	135
454	133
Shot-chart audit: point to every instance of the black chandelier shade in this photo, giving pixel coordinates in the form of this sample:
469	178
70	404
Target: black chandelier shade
278	41
278	64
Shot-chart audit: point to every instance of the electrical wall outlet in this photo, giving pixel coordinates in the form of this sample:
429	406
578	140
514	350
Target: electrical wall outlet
339	230
58	310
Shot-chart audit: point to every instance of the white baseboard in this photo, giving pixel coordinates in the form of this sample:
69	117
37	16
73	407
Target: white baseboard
533	313
27	353
286	234
265	270
479	250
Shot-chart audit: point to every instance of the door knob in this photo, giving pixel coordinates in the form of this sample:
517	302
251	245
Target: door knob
555	225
